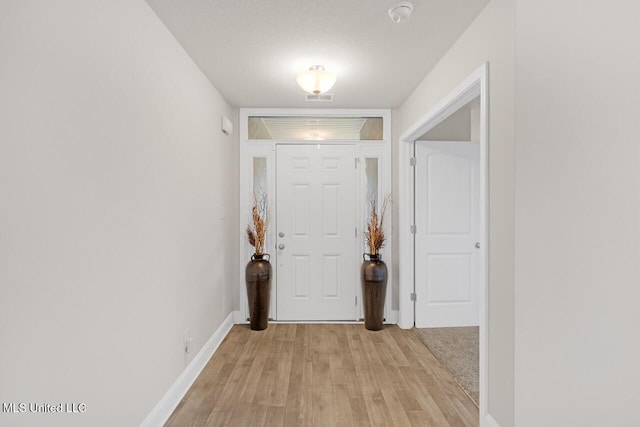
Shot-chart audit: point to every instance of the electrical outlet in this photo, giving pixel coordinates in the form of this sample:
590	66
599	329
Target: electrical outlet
186	341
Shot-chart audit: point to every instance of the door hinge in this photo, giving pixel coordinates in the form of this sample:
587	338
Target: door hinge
412	161
413	229
356	300
357	161
413	296
356	233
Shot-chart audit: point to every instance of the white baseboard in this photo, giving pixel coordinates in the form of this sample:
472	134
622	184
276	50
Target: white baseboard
490	422
165	407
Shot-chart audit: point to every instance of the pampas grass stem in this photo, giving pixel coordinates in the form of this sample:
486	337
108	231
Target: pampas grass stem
257	229
374	235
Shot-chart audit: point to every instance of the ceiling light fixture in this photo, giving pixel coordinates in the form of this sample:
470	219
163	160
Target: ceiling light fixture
316	80
401	11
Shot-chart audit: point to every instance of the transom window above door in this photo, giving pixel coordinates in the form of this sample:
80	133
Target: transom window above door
300	128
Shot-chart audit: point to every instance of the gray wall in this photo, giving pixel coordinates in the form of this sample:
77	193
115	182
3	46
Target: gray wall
489	38
563	320
114	182
577	226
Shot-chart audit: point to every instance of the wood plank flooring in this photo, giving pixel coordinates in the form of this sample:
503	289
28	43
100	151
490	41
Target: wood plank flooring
323	375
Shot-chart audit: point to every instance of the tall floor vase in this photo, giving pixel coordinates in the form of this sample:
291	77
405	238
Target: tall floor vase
373	276
258	280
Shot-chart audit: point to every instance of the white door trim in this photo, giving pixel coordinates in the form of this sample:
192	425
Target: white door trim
477	84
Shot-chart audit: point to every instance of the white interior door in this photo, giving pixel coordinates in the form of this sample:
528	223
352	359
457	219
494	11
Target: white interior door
316	241
447	231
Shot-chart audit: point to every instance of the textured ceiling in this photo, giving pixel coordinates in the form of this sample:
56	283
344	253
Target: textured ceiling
252	50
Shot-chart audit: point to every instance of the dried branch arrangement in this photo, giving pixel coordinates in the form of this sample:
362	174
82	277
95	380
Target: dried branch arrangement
257	229
374	234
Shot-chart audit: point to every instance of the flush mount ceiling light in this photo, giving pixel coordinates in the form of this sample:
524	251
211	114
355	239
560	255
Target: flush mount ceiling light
401	11
316	80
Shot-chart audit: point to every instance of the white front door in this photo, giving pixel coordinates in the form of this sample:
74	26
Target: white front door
447	223
316	213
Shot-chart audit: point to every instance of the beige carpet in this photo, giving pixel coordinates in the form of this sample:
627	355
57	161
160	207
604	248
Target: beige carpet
457	349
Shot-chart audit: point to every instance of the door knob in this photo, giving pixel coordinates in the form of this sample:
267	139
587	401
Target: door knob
281	234
477	245
281	246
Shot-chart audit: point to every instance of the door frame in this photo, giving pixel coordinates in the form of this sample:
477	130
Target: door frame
250	149
475	85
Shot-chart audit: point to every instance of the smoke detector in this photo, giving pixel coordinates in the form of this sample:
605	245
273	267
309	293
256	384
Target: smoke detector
401	11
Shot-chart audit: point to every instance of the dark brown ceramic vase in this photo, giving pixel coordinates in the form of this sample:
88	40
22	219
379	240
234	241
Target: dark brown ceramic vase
373	276
258	278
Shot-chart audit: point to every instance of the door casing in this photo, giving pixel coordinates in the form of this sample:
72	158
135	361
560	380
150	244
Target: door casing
475	85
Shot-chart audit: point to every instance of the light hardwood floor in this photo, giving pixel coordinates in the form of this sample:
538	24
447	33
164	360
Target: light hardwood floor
323	375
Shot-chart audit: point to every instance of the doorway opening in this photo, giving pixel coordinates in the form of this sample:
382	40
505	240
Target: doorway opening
471	94
318	170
